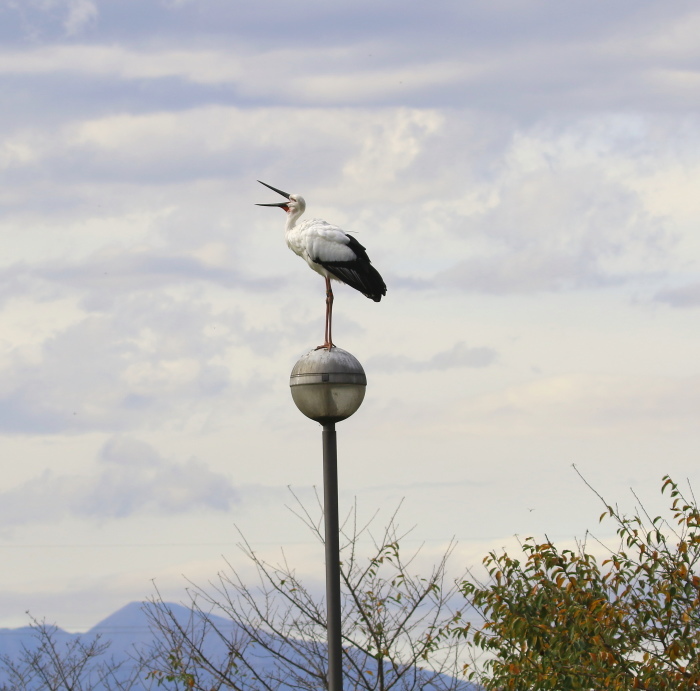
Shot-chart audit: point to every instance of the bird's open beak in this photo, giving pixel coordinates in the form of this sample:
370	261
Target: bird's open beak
282	205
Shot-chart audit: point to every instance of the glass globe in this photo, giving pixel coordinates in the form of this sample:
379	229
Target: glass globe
328	385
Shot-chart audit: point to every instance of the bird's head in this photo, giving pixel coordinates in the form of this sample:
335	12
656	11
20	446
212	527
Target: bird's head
294	205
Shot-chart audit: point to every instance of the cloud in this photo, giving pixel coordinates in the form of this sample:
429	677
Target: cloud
563	213
120	62
38	19
550	207
526	272
460	355
216	142
587	405
682	296
518	60
149	356
131	478
81	13
115	272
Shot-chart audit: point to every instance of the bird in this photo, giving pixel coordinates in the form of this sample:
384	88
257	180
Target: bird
329	251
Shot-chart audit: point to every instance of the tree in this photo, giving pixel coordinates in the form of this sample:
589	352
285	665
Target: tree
558	619
272	635
56	661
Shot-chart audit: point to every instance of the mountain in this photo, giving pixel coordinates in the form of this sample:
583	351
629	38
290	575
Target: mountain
13	641
125	636
130	635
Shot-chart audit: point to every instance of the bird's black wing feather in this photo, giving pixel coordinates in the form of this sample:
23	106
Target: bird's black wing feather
358	273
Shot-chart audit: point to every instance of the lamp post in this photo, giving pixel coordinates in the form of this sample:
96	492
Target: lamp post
328	386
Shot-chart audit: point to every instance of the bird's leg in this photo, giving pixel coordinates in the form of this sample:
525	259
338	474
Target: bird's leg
328	341
329	300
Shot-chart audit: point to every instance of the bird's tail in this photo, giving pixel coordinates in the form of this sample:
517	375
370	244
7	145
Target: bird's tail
376	282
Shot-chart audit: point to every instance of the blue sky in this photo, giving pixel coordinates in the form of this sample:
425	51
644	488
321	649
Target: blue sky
524	176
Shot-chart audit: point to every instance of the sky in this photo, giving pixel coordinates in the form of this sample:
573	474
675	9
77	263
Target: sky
524	176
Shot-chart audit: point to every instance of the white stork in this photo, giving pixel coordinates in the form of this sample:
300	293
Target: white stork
329	251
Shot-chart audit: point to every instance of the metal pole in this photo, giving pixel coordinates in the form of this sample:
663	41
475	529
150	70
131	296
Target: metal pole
330	510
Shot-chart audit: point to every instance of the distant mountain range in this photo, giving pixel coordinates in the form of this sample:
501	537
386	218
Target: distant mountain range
129	633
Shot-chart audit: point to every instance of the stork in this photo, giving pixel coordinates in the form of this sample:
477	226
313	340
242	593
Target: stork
329	251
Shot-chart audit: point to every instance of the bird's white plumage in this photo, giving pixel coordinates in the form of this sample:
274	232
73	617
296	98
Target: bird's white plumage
316	240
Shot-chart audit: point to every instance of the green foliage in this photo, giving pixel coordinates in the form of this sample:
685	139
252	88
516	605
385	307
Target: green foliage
559	619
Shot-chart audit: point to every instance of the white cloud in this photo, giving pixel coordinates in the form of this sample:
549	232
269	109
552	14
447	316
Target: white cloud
39	17
564	213
460	355
81	13
379	85
131	478
681	296
587	405
535	60
202	66
391	147
147	357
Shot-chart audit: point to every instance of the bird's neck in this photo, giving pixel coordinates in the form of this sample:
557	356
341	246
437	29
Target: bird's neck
292	218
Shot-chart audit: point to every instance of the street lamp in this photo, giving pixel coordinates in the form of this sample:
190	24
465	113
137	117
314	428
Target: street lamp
328	385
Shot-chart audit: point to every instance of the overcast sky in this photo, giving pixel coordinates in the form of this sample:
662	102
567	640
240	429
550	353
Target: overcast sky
524	176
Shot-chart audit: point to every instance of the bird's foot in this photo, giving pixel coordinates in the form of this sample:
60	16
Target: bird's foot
327	346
